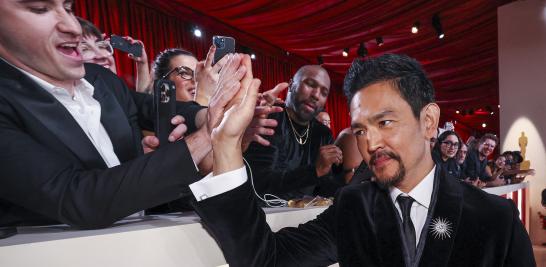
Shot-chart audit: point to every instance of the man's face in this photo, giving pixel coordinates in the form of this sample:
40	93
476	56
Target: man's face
461	155
391	140
41	37
487	147
324	118
310	93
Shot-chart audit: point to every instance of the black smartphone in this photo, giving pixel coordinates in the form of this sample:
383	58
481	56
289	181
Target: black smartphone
224	45
165	108
119	43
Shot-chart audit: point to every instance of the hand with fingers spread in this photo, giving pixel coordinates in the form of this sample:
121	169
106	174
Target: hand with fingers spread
151	143
227	136
261	125
271	97
229	83
328	155
206	77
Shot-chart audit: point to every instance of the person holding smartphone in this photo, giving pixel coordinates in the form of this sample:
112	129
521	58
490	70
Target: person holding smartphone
96	49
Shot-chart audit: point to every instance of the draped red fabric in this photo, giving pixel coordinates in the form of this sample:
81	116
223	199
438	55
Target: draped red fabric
159	29
287	34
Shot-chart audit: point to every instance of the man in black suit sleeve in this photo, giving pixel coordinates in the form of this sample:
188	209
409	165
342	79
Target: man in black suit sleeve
71	148
412	214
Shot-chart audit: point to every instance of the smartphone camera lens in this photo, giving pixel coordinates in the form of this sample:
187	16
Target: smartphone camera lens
220	43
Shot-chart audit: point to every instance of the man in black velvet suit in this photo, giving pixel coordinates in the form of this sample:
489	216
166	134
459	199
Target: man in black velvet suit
71	147
412	214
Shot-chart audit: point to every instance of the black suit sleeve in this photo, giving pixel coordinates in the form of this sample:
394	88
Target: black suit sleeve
520	252
245	238
40	179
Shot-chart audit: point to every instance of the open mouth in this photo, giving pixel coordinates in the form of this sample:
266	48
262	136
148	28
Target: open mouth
70	49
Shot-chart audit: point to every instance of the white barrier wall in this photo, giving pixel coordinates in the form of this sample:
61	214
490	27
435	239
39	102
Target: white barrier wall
522	92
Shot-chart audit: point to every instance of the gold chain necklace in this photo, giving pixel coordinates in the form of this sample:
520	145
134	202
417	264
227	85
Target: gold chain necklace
300	138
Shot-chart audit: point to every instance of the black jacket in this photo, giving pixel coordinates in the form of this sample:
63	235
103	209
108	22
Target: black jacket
52	173
362	228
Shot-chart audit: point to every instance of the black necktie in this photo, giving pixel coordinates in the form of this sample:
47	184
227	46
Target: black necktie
407	226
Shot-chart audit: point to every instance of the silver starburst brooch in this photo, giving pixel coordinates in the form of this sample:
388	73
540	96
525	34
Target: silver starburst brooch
441	228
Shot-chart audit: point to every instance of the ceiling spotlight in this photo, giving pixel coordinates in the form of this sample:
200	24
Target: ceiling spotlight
457	111
320	60
437	25
492	113
197	32
415	28
484	125
345	52
498	106
252	56
379	41
362	50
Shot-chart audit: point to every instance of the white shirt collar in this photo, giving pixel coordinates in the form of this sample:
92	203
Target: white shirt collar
52	89
421	193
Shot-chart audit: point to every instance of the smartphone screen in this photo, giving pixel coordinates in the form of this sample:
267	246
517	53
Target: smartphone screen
224	45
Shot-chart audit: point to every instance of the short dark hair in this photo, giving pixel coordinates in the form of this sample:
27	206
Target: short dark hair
443	137
161	63
89	29
489	136
405	74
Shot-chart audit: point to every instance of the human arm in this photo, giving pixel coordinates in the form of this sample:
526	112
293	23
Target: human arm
239	225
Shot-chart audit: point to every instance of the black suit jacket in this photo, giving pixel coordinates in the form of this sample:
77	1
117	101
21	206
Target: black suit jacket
52	173
362	228
286	168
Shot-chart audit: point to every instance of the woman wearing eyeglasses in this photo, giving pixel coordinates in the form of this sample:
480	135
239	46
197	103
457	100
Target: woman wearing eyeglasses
444	152
177	65
194	81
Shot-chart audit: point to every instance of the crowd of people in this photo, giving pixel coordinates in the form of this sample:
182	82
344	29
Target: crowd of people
74	152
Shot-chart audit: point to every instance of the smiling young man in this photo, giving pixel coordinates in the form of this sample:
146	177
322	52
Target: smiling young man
412	214
476	159
71	148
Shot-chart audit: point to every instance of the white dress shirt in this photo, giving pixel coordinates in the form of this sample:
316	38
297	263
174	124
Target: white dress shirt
421	193
211	186
86	111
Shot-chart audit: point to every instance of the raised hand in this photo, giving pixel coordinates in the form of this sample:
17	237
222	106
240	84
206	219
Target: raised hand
260	124
229	83
328	155
206	77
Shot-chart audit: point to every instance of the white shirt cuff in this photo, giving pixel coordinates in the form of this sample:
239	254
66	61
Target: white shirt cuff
211	186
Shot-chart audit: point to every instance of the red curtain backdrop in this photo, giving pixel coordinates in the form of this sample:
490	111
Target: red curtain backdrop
285	35
161	27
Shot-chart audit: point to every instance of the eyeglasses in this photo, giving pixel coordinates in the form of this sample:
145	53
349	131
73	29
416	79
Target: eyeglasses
89	51
182	71
451	144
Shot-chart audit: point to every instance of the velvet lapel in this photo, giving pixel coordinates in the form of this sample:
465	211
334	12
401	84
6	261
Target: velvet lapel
51	113
114	120
446	205
389	242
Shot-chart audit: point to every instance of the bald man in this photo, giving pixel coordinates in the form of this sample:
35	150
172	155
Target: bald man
299	159
324	118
